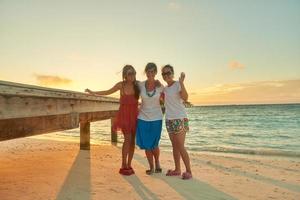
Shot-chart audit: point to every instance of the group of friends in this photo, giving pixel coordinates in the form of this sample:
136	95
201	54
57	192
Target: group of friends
142	124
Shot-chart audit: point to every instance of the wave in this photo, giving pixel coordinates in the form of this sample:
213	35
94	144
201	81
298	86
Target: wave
192	147
243	135
264	152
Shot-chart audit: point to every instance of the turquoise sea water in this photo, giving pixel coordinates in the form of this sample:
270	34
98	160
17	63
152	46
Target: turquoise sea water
244	129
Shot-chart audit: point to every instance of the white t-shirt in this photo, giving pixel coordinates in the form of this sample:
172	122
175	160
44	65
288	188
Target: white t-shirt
150	109
174	104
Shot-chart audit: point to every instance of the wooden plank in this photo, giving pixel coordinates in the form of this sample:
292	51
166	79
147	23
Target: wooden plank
23	90
96	116
18	107
22	127
27	110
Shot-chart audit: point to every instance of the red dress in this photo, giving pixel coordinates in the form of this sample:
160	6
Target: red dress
126	117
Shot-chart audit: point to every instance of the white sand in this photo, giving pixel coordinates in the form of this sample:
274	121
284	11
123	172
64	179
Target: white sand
43	169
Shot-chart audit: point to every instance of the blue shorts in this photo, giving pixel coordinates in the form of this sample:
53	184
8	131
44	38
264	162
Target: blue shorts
148	134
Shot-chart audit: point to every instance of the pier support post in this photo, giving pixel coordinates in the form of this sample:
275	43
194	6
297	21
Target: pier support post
85	135
114	136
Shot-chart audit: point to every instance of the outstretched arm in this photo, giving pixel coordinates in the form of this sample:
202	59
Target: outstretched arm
183	93
114	89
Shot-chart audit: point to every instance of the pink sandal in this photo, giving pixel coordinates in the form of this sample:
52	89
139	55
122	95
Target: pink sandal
131	170
186	175
126	171
172	173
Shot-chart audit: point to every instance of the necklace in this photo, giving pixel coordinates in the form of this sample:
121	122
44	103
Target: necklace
148	93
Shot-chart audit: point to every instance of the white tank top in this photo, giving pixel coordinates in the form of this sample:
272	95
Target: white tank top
174	104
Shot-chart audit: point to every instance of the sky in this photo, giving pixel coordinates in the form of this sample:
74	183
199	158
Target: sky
232	51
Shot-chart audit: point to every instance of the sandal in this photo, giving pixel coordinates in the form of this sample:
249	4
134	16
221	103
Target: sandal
158	170
149	171
126	171
186	175
131	170
173	173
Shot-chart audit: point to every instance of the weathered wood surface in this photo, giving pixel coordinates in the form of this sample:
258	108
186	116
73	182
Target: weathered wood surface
20	100
85	135
22	127
29	110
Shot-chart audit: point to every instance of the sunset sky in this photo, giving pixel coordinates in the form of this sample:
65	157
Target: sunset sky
232	51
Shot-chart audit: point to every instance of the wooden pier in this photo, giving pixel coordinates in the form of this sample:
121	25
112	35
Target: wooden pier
27	110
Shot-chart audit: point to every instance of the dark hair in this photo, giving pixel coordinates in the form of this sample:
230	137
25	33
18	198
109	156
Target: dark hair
168	66
127	68
149	66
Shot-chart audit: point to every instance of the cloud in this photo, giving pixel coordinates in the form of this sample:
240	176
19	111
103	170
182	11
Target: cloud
47	80
286	91
174	6
235	65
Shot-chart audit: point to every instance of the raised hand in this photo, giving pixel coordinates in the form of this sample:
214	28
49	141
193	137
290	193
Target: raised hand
182	77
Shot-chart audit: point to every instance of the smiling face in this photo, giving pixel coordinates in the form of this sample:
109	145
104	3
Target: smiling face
129	73
151	73
167	74
130	76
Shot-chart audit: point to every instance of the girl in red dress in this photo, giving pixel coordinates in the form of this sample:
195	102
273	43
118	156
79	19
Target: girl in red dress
126	118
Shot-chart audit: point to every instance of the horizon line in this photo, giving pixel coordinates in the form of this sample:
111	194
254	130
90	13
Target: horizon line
247	104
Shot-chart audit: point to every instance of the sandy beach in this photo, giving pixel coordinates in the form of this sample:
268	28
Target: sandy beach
33	168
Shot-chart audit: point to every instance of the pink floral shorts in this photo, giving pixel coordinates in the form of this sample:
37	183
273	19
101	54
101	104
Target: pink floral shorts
177	125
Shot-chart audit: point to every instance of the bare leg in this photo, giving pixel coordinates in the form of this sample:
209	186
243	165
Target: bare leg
131	149
149	155
125	150
180	139
156	153
176	152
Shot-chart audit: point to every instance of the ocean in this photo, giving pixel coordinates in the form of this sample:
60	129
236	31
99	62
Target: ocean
241	129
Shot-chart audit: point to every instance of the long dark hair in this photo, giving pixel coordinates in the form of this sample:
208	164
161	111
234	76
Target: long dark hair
127	68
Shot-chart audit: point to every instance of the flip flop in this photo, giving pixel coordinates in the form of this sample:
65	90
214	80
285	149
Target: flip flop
186	175
131	170
149	171
126	171
172	173
158	170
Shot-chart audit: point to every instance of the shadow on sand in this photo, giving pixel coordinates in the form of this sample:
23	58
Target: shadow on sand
189	189
77	184
140	188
